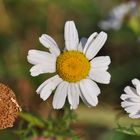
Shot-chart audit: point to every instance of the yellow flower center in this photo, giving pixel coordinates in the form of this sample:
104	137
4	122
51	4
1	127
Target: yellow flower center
72	66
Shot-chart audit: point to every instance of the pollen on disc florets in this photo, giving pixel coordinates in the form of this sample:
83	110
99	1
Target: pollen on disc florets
72	66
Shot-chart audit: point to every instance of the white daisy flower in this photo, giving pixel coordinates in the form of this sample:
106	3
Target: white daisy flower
131	100
76	68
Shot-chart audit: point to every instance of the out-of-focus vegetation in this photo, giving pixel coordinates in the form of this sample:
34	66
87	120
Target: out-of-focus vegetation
21	24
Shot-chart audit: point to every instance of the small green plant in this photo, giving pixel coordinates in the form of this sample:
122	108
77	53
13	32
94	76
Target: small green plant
33	126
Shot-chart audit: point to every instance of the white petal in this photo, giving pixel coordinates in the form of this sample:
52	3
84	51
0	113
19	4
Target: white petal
127	104
127	97
60	95
135	115
133	99
82	44
73	95
130	95
47	81
96	45
89	41
46	88
90	91
100	76
77	86
130	91
136	83
40	57
100	62
132	109
84	100
49	43
42	68
71	36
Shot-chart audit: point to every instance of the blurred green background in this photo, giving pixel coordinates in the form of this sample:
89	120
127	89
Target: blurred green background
21	24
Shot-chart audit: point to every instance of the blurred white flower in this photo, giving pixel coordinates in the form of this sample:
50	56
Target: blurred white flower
138	40
116	16
131	100
76	68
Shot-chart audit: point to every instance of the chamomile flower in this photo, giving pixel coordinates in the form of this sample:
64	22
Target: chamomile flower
77	69
131	99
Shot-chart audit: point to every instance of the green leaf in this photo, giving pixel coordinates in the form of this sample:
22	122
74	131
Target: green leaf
34	120
131	130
